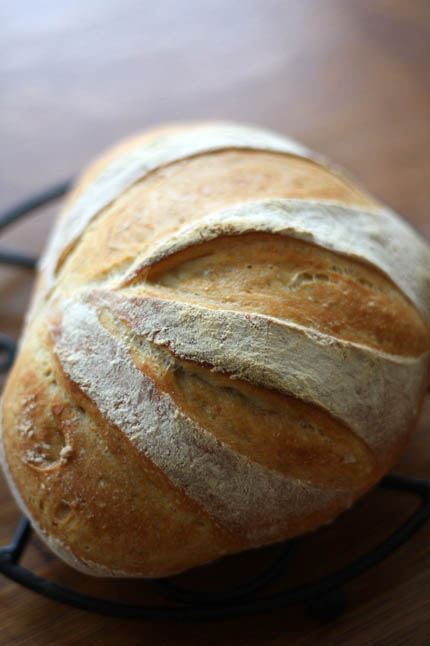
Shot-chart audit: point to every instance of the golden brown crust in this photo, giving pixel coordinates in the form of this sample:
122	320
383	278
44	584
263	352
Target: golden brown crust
169	197
295	281
85	480
94	486
274	430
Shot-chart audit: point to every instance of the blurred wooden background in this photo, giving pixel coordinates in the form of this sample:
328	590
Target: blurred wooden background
349	78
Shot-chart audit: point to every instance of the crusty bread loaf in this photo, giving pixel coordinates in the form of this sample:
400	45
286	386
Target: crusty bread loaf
227	346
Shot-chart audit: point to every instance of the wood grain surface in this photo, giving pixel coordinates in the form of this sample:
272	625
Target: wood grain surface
349	78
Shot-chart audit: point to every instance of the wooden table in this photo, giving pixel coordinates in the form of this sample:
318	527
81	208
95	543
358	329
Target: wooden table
348	78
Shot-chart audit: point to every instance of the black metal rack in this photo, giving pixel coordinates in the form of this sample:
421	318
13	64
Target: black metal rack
323	598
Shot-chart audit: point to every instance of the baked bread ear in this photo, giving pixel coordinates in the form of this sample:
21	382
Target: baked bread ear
227	346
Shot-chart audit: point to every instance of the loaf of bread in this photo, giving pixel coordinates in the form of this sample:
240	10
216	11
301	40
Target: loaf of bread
227	345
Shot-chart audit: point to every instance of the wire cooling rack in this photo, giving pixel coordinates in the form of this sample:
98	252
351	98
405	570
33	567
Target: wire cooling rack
324	598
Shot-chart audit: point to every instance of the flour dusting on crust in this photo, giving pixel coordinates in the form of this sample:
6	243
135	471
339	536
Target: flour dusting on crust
370	391
240	494
376	236
135	164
